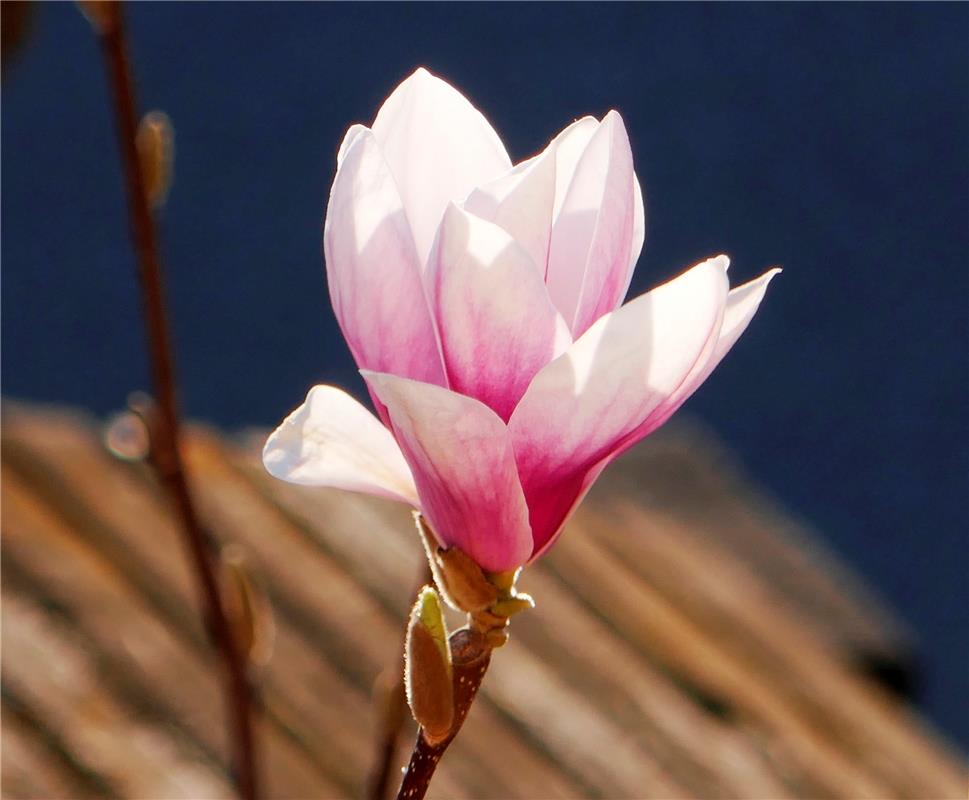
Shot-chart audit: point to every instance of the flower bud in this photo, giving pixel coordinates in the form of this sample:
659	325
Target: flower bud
466	581
427	668
246	607
156	149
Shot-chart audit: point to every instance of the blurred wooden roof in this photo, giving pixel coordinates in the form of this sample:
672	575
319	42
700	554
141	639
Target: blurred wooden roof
690	640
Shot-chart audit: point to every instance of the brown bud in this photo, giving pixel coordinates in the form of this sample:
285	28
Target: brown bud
427	668
247	608
466	581
462	582
156	149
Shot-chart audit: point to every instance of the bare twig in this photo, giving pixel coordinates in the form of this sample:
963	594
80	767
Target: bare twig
390	700
166	457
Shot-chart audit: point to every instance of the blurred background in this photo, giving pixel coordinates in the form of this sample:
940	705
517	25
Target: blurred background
830	139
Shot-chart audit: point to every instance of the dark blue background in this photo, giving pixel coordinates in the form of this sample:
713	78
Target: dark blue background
832	139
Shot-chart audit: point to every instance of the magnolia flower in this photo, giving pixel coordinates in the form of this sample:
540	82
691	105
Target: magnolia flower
482	303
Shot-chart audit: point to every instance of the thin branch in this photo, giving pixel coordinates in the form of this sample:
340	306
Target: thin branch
392	713
166	456
471	655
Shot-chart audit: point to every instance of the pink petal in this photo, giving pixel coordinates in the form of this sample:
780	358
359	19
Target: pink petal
332	440
461	456
439	147
590	255
496	323
373	272
588	402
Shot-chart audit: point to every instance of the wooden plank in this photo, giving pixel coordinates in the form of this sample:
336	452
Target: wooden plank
684	471
35	764
133	757
145	659
843	734
136	532
706	754
742	611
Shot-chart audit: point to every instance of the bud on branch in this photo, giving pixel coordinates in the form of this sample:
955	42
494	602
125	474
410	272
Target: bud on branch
427	668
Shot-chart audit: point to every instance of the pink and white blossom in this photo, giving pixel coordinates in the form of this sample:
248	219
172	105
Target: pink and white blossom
482	302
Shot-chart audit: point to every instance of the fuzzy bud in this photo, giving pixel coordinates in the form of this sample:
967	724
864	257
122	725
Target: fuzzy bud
427	668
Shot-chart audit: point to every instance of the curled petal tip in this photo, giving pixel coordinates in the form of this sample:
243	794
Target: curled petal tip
614	117
332	440
723	260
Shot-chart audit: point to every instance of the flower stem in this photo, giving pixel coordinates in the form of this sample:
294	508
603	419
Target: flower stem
166	457
471	655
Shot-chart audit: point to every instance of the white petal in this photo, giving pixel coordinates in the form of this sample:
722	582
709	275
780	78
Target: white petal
439	147
570	145
742	304
590	254
332	440
520	202
526	200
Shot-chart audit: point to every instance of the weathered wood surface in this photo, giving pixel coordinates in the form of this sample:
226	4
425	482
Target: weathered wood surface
690	640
